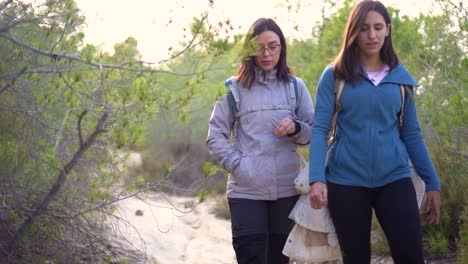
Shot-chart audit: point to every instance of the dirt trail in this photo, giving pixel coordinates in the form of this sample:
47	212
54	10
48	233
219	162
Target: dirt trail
181	235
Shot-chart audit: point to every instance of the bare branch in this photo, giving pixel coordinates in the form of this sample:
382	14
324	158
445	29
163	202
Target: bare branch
80	135
459	7
139	191
12	81
194	37
59	182
5	4
41	70
74	57
4	27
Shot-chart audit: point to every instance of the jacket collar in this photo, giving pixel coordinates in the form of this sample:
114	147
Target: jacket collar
263	76
399	75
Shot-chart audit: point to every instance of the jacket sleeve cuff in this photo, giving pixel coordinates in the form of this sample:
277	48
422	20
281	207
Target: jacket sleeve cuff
433	187
297	128
232	162
316	179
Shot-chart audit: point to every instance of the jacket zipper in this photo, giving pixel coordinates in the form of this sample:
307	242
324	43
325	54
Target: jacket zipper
372	136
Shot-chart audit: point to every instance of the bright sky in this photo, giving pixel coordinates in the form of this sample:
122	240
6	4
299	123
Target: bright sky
112	21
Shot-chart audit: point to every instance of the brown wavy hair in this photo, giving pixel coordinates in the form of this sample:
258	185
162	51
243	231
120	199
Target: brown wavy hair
347	63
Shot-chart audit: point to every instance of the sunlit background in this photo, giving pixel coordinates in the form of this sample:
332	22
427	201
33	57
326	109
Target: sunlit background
159	24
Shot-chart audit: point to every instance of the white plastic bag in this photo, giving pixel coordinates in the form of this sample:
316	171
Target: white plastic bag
301	183
305	245
314	219
313	238
419	184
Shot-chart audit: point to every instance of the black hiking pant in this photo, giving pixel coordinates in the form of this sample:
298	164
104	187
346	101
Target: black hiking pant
260	229
397	211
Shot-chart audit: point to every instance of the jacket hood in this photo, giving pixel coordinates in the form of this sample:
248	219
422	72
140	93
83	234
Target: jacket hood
263	76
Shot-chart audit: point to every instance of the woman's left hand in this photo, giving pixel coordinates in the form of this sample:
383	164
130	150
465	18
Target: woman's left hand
285	127
432	207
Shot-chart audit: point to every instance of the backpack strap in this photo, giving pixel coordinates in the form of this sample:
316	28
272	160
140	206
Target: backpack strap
400	117
233	99
338	91
232	95
293	95
402	95
296	93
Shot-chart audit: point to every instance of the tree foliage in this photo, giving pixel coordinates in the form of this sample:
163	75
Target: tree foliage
68	111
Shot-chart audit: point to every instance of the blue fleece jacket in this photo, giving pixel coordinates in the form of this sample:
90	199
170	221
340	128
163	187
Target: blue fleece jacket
369	151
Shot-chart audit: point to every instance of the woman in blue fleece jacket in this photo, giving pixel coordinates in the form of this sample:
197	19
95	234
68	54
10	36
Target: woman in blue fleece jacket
368	164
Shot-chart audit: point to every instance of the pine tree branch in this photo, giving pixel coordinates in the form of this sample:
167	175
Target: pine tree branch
191	42
56	56
5	4
12	81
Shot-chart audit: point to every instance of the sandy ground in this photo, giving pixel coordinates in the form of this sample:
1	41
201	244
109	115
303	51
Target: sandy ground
176	230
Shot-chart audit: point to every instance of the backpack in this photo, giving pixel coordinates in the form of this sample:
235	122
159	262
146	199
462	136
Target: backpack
338	91
233	97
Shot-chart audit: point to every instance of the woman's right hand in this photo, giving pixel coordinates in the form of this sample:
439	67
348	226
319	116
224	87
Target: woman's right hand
318	195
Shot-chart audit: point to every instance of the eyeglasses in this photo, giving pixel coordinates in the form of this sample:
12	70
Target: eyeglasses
272	49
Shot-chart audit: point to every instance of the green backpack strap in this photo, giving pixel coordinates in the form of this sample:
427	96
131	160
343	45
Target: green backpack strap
292	94
295	89
294	102
230	96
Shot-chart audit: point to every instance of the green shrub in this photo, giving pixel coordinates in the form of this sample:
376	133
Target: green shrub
440	240
436	244
222	208
462	242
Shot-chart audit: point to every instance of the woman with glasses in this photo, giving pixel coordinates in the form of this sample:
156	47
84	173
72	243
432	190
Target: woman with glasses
269	113
368	168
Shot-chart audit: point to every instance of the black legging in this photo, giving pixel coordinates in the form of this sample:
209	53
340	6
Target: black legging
396	209
260	229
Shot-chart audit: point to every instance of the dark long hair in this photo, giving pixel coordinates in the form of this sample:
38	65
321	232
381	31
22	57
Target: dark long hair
246	73
346	64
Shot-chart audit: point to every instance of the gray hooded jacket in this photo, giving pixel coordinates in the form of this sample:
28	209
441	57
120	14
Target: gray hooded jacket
261	165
